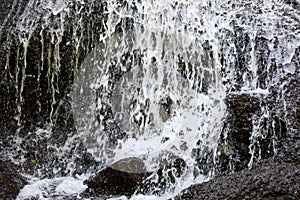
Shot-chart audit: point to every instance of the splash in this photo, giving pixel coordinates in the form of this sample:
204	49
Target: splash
52	188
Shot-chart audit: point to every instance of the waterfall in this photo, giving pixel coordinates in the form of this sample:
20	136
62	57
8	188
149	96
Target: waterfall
146	80
152	88
154	80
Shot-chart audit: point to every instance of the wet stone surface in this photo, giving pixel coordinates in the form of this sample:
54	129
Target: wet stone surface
241	108
276	181
129	176
11	182
122	178
274	178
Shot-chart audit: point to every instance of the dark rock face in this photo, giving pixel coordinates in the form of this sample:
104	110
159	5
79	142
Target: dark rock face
268	181
245	117
46	82
35	81
114	182
241	108
276	175
274	178
10	181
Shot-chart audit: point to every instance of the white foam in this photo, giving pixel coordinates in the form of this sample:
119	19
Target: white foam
49	188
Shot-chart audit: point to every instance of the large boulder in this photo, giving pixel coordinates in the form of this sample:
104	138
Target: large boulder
268	181
276	175
129	176
274	178
121	178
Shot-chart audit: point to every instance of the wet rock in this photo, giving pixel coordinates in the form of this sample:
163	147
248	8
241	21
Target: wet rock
241	108
122	178
163	178
290	150
262	53
43	102
268	181
11	182
271	117
276	177
241	41
291	97
129	176
165	108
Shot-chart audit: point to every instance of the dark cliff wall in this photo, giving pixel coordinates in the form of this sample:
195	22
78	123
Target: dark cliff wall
40	51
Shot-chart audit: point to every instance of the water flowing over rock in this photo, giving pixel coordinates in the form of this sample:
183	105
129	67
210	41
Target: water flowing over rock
274	178
277	177
41	49
150	97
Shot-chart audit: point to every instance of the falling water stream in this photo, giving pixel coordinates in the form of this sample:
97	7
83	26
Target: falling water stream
153	87
158	82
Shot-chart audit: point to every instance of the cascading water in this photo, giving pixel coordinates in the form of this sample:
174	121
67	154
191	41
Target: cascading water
151	87
152	91
154	81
